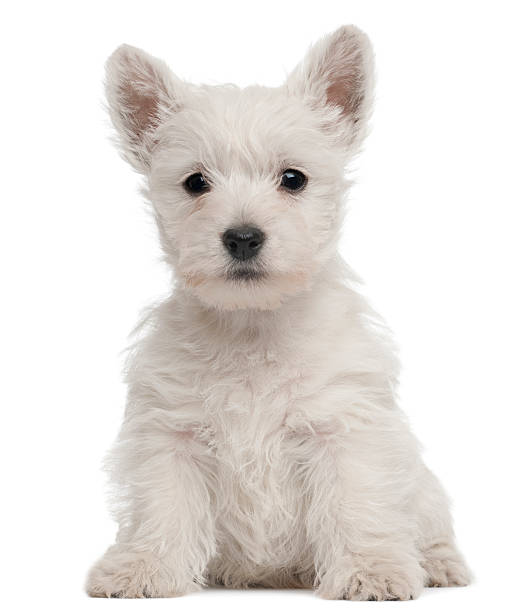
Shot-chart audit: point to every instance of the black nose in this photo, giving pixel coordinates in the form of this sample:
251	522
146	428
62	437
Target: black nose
243	242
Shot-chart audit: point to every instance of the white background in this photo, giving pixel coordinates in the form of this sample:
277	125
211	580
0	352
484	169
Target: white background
430	232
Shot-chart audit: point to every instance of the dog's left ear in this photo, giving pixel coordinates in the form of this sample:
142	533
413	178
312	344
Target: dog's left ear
338	72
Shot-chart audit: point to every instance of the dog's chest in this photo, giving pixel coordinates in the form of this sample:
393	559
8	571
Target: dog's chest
257	490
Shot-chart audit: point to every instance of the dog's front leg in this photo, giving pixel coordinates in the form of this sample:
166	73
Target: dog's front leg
166	527
357	521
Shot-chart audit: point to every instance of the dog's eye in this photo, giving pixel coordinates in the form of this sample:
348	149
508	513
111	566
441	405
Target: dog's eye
293	180
196	183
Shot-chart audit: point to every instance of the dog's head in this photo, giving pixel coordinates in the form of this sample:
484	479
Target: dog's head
247	184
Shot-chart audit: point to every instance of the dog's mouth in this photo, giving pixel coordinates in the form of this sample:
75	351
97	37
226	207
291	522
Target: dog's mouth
245	273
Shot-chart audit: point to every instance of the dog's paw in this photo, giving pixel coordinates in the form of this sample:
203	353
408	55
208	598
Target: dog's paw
446	573
134	575
366	584
444	565
376	587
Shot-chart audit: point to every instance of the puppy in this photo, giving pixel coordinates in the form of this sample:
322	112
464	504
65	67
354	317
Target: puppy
262	442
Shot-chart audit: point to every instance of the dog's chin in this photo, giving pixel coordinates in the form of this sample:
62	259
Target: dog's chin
247	289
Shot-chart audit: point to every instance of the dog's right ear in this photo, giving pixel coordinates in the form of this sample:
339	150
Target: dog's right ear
141	92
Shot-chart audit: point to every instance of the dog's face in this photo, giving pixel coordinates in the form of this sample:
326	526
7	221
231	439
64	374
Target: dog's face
246	184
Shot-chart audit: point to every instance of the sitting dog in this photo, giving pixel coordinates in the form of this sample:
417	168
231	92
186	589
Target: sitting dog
262	442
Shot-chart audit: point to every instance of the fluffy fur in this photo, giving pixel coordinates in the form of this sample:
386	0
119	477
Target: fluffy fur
262	442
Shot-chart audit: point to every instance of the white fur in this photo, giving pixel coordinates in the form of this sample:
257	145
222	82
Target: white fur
262	442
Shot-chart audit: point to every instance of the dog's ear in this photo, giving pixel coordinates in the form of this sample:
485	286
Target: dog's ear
141	92
338	72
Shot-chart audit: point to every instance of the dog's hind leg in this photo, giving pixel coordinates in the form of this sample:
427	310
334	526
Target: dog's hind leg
444	564
441	559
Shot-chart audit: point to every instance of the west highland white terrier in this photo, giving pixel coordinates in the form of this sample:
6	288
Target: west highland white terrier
262	442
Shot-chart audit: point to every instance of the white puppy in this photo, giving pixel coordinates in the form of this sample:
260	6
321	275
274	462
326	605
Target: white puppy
262	442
